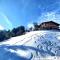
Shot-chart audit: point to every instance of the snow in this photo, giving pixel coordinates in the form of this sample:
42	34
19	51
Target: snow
19	40
34	45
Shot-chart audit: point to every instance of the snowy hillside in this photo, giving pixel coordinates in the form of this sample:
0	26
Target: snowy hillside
35	45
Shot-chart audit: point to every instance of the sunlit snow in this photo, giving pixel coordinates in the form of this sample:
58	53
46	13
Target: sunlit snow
35	45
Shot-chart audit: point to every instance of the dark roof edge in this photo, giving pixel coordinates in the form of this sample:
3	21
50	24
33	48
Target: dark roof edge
51	21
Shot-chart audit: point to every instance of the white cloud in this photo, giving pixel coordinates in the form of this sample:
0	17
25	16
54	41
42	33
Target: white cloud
1	27
30	25
49	16
59	26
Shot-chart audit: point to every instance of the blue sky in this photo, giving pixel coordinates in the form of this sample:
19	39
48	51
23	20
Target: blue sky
14	13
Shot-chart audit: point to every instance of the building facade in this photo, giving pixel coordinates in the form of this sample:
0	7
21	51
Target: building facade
48	25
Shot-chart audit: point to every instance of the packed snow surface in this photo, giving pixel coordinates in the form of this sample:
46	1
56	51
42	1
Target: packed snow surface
35	45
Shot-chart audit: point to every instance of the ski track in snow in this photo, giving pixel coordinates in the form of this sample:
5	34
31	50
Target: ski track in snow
35	45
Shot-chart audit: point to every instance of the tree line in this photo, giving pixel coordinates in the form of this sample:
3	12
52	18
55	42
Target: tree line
4	35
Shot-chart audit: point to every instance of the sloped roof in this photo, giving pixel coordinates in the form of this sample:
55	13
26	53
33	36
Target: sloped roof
50	22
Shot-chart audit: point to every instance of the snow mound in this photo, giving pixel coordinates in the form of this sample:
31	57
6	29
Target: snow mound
35	45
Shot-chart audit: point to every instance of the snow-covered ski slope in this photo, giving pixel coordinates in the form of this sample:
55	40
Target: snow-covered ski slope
35	45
